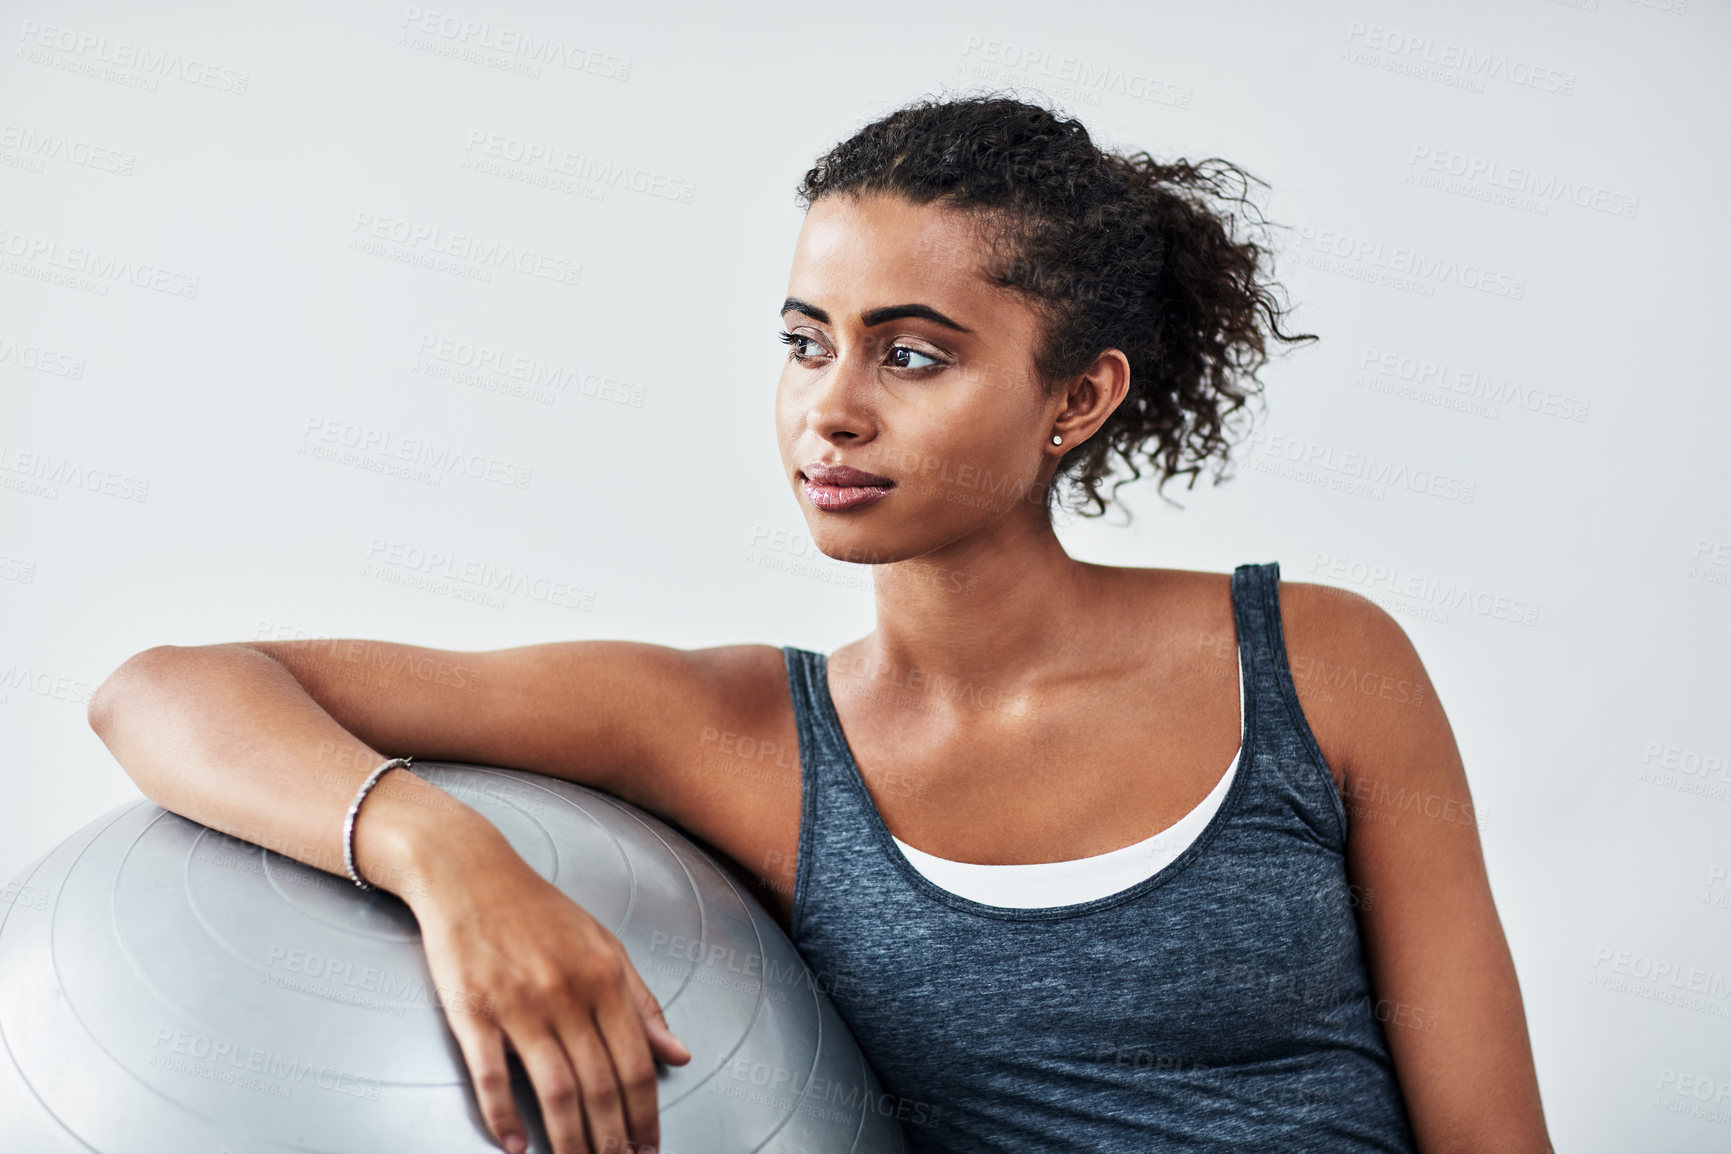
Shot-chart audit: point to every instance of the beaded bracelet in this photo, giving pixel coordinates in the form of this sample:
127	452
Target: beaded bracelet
355	808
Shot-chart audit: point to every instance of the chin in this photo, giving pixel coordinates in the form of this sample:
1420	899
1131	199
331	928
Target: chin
881	544
853	543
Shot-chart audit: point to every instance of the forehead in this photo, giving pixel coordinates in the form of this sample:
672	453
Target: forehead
885	245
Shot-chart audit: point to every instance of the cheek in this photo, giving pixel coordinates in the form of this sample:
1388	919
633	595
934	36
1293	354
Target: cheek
786	415
979	463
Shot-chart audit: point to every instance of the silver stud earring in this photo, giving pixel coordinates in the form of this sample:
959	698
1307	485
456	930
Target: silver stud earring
1057	440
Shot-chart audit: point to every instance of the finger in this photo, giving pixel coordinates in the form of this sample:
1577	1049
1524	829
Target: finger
661	1037
550	1071
483	1049
603	1101
633	1066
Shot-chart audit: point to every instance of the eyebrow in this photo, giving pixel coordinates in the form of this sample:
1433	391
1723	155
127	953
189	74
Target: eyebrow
874	317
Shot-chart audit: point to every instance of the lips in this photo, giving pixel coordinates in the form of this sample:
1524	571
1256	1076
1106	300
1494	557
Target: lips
837	488
843	476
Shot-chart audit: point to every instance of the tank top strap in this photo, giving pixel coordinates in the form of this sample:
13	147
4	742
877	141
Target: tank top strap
1289	764
838	820
822	745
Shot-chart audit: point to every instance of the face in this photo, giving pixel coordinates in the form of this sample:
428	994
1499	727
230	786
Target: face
907	364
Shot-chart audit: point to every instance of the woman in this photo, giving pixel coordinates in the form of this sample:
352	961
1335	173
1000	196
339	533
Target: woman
1005	841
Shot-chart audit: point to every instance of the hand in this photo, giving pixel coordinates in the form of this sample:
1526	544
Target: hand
519	963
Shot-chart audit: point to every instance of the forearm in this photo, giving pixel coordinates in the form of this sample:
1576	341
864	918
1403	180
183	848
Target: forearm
226	736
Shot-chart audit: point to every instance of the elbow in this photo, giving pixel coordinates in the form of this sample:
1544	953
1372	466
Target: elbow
129	675
97	711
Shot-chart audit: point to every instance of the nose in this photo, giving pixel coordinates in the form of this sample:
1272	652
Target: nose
839	400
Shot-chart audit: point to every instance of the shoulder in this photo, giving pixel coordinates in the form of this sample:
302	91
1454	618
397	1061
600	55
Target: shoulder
1342	623
735	710
1363	688
718	756
695	710
724	759
741	680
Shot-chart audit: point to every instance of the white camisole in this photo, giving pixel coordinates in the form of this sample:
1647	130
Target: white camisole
1062	883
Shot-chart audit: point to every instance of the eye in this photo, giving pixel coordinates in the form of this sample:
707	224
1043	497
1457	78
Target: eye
796	346
894	349
797	351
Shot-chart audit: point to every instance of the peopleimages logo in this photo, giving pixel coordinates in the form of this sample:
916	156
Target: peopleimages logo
1661	979
60	687
218	1059
1545	187
87	51
1426	590
1467	384
557	160
518	43
39	359
1006	60
323	437
1429	58
38	145
396	562
49	472
41	253
1423	270
494	369
783	1086
433	247
1362	473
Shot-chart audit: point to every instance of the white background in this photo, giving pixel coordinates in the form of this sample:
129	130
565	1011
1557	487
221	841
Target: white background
183	296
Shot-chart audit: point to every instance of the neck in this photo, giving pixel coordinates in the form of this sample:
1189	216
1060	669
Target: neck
978	621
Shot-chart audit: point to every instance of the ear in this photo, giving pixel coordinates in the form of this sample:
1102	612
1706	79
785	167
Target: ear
1093	396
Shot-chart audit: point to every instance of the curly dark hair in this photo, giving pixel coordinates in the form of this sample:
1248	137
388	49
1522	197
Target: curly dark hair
1115	251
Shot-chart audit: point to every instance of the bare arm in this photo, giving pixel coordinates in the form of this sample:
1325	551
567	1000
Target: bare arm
1438	961
269	742
264	740
227	736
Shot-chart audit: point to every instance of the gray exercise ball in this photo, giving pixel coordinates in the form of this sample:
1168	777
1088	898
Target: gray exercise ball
166	988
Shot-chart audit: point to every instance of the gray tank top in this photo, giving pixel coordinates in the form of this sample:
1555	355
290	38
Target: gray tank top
1221	1004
